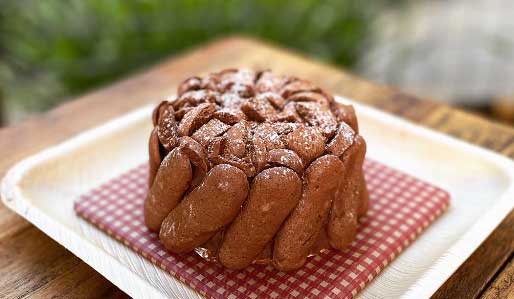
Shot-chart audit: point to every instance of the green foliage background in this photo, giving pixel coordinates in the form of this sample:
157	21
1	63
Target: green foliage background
55	48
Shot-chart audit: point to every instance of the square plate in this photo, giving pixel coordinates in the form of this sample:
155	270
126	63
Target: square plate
480	183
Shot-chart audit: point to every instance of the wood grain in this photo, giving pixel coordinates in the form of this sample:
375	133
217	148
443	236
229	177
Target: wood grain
32	265
502	286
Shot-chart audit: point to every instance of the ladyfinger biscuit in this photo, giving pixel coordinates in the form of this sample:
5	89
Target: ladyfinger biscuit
171	181
195	118
206	210
195	152
346	113
167	127
154	156
301	230
273	194
158	111
342	224
267	81
322	244
287	158
319	116
307	142
342	140
297	86
308	96
191	83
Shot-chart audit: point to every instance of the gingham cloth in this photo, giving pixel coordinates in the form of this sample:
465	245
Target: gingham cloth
401	207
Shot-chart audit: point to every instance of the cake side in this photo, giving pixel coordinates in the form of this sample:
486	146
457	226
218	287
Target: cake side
254	167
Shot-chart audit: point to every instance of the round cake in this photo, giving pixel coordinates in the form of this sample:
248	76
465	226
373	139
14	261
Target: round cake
253	167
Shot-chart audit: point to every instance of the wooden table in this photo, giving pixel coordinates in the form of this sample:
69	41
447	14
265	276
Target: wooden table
33	265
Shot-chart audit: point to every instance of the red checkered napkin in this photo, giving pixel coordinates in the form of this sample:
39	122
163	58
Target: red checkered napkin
401	207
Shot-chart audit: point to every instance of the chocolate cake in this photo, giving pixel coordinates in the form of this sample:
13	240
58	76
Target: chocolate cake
252	167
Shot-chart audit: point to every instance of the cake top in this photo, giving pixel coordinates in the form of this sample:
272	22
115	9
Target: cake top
253	120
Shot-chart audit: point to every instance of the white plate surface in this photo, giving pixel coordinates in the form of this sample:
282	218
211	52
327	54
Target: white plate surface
42	189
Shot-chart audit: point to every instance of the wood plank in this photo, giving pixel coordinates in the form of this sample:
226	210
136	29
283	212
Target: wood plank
34	265
503	285
476	273
58	273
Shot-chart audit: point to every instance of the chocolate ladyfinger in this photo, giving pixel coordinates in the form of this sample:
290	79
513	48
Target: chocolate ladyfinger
274	193
154	156
342	224
206	210
301	230
171	181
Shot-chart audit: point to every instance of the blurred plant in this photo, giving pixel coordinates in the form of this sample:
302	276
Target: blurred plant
51	49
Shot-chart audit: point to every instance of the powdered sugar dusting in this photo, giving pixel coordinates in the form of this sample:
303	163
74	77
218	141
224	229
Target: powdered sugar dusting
282	112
